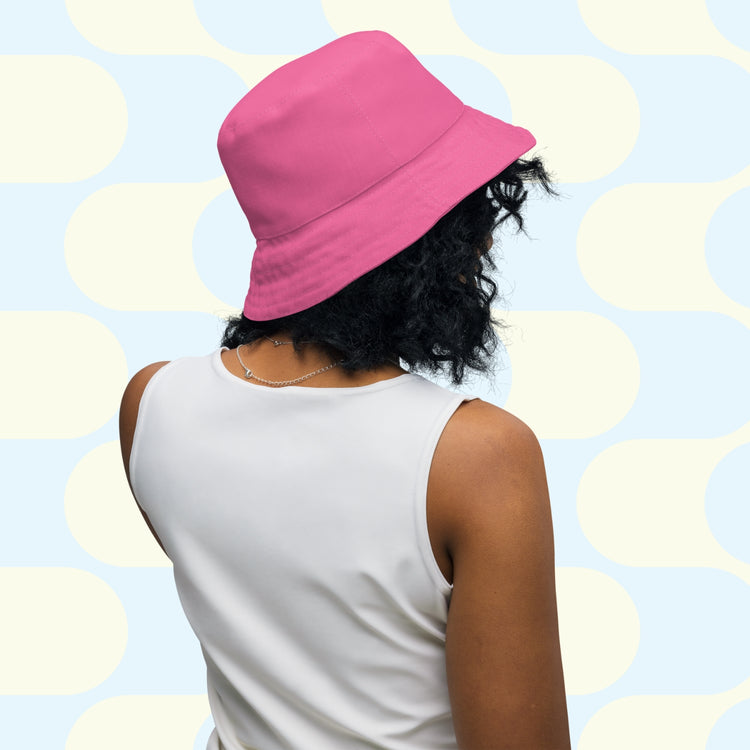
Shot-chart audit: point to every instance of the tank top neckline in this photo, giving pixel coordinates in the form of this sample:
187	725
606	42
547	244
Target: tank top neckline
224	373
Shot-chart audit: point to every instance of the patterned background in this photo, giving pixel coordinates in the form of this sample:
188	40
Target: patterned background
629	352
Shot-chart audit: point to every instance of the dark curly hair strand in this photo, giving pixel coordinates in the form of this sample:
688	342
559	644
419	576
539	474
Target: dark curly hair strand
429	305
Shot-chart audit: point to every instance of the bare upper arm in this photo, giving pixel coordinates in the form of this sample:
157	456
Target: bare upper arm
131	400
489	501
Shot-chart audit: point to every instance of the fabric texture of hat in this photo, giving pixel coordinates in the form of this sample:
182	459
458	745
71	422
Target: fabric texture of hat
344	157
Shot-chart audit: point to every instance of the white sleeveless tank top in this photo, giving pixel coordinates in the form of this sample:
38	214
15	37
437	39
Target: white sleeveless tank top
296	522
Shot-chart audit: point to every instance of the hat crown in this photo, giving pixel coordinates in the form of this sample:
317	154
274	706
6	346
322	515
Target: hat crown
326	127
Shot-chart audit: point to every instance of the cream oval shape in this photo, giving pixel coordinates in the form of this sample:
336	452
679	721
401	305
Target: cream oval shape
68	387
575	374
599	629
130	246
63	631
64	118
103	516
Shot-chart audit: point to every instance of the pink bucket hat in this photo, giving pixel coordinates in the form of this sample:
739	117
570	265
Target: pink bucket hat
344	157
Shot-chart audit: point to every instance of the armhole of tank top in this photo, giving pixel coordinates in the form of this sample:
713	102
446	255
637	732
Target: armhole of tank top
420	505
142	409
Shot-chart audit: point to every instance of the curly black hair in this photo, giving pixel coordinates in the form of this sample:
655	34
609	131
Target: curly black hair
429	305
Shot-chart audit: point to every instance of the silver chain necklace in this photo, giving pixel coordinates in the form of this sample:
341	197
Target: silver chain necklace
276	342
279	383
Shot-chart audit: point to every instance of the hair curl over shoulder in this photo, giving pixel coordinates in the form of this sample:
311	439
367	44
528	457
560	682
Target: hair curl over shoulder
429	305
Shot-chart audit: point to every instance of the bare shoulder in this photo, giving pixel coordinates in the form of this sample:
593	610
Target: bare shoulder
487	428
492	510
488	480
131	400
489	449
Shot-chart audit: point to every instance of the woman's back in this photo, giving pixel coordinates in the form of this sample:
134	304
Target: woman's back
314	528
296	521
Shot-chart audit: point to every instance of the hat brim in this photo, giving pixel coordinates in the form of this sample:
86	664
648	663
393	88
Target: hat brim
376	225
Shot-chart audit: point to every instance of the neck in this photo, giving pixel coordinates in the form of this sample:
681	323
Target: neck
281	362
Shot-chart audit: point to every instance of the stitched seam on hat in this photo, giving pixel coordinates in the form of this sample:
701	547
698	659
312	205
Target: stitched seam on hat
292	93
387	148
377	182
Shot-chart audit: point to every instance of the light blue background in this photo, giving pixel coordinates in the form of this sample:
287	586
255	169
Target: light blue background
695	366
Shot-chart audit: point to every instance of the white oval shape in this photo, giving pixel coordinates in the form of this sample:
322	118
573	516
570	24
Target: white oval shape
145	722
597	116
667	239
599	629
440	36
559	399
64	118
655	722
63	631
130	246
102	514
645	27
642	503
168	27
132	27
69	386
